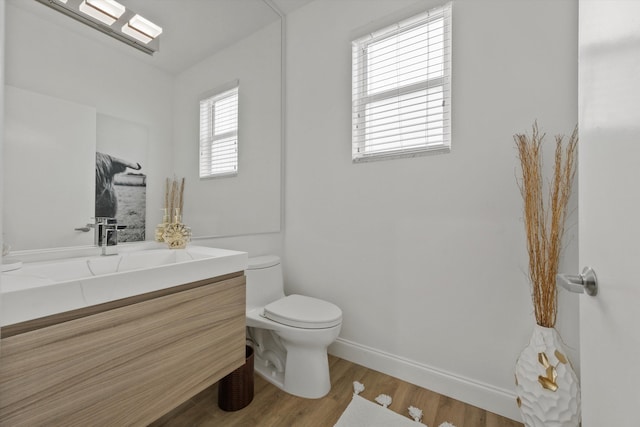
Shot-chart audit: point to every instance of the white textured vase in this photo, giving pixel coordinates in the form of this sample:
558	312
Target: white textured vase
546	384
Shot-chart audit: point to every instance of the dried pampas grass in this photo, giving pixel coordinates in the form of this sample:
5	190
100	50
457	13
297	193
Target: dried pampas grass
174	197
544	222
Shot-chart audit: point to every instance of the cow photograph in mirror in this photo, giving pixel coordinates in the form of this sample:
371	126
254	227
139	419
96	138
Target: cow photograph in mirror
121	184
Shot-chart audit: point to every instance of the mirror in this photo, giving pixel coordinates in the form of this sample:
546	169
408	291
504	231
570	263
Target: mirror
75	78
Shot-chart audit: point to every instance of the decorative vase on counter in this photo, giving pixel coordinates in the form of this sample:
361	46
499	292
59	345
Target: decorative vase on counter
160	228
546	384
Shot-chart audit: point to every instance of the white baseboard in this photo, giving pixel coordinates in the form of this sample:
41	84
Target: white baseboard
485	396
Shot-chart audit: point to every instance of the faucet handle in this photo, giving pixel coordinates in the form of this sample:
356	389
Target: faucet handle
105	220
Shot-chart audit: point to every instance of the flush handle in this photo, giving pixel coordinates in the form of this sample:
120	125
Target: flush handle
586	282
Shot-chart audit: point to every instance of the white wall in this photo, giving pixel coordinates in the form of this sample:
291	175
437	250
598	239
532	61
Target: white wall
249	202
427	256
49	59
254	244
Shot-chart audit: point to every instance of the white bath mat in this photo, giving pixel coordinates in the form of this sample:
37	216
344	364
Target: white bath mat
363	413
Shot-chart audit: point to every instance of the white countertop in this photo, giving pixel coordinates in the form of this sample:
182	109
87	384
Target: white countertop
55	281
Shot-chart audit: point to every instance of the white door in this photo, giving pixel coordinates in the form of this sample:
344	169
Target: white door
49	184
609	204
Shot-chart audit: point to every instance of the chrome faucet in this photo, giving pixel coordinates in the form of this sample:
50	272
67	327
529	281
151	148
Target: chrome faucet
106	234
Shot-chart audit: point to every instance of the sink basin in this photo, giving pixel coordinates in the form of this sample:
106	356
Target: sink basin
45	287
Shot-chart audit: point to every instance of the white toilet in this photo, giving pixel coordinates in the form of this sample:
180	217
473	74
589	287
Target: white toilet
290	334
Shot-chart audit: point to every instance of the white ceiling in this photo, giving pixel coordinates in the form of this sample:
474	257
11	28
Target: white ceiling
192	29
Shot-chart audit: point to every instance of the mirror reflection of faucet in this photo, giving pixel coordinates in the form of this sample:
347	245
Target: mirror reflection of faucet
106	234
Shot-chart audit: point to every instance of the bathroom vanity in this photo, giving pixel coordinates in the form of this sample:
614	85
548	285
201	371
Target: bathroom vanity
128	360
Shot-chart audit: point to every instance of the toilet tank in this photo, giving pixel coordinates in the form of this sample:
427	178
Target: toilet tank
264	280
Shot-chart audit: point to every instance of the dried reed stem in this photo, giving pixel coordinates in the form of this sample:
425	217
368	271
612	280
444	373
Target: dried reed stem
172	211
181	202
544	224
166	197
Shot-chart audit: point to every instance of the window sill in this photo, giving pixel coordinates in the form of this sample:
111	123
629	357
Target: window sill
220	175
402	154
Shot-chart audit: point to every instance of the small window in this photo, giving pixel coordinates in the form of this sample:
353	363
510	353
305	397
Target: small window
401	90
219	133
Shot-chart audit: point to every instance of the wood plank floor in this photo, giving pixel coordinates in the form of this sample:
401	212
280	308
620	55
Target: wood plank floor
271	407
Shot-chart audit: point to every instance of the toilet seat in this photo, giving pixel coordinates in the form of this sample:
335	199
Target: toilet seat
303	312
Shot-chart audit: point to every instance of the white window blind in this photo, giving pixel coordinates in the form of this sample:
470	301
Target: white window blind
219	133
401	88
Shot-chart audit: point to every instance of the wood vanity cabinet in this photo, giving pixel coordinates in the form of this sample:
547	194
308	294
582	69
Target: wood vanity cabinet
125	362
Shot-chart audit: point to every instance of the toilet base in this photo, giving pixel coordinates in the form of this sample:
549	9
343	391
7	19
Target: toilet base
307	372
266	371
309	379
293	359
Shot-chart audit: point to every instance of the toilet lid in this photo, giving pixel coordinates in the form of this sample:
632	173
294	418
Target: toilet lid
303	312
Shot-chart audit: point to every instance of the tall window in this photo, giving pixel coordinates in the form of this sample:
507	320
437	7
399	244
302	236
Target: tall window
401	88
219	133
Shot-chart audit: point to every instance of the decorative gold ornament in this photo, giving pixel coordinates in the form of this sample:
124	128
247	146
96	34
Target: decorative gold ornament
176	235
519	402
543	359
547	383
561	357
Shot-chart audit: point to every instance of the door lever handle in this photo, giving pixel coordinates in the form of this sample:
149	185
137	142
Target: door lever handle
586	282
